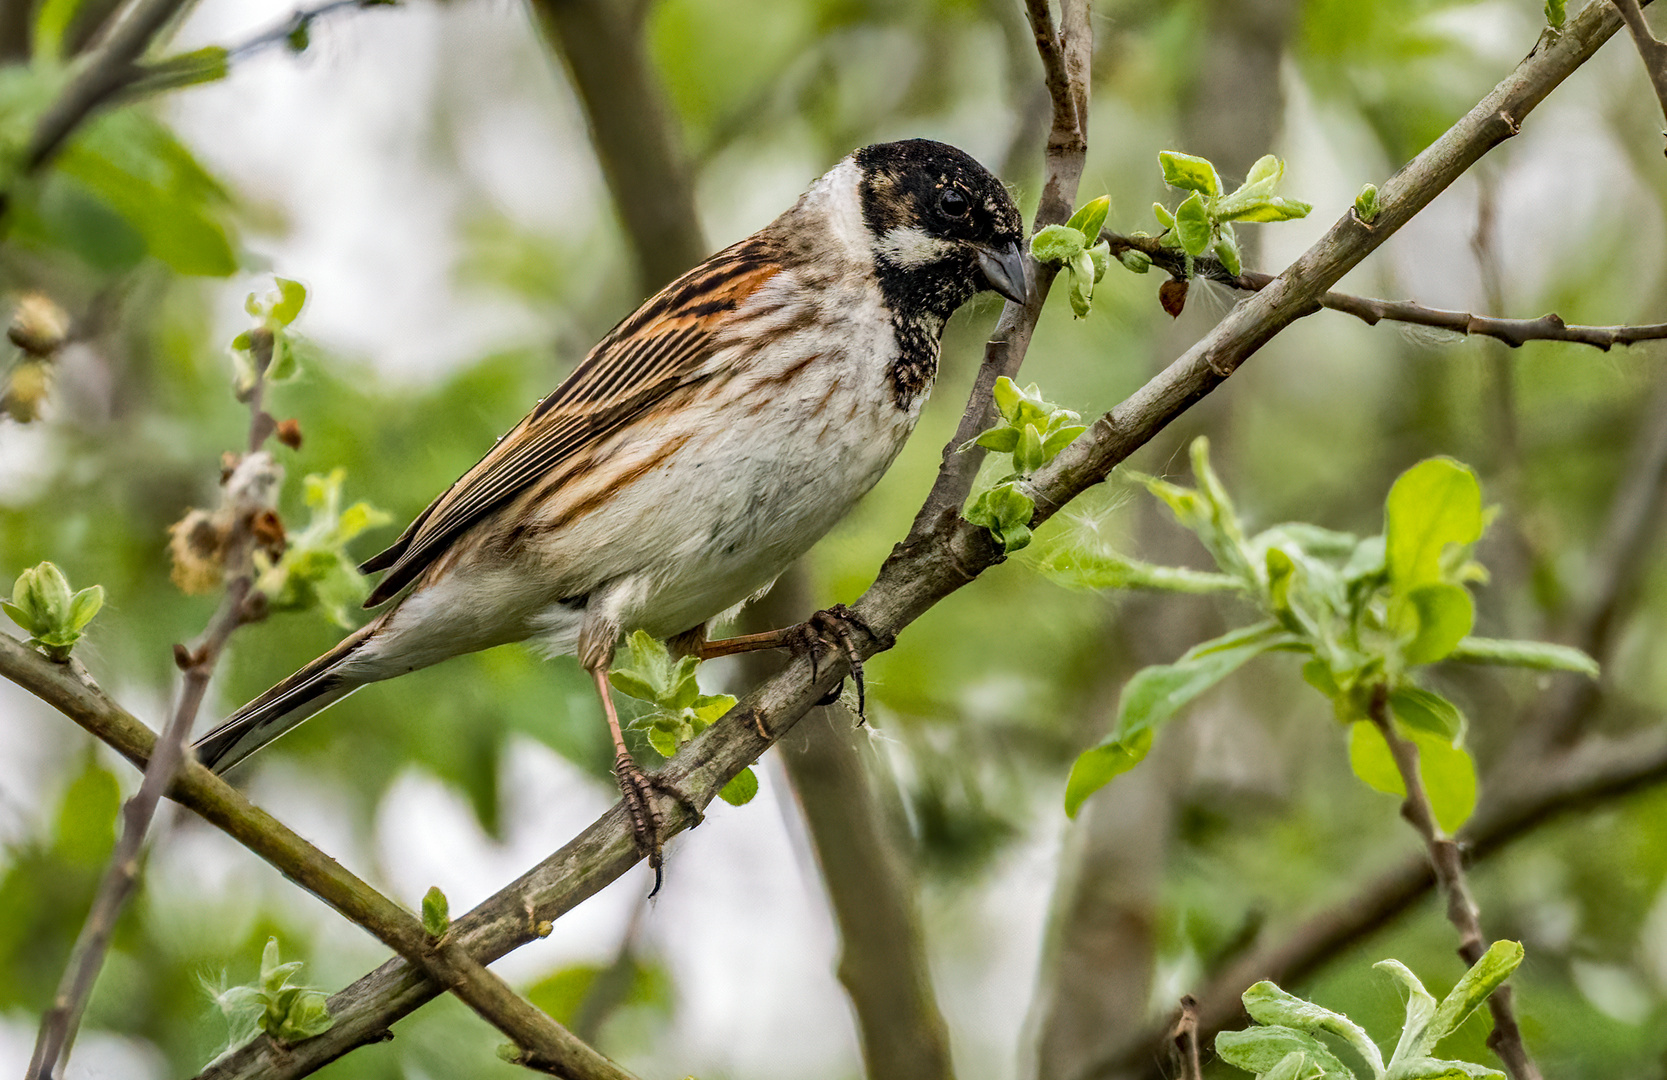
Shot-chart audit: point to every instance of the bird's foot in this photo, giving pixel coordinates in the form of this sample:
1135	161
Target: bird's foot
648	825
838	627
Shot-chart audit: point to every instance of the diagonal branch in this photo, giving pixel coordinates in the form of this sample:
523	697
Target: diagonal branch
1513	332
545	1044
1651	49
939	556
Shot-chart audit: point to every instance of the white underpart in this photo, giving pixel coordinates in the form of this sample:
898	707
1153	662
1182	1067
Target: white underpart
838	195
909	246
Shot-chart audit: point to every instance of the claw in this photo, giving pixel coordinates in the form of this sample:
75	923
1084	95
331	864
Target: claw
835	627
646	823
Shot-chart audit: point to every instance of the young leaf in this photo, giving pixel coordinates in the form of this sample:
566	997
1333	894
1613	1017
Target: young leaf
1262	1049
1556	13
1366	206
1189	173
1095	569
739	791
1445	614
1535	655
1433	504
84	606
1276	208
1007	396
1165	218
1227	250
1293	1066
1091	218
1137	261
1420	1009
1431	1069
1268	1004
436	913
1448	773
1192	225
1100	765
1057	244
1421	710
291	295
1484	977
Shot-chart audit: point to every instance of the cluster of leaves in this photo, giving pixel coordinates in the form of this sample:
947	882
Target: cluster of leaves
268	347
274	1004
1285	1046
1204	220
678	711
315	569
1033	432
1366	612
43	604
1076	246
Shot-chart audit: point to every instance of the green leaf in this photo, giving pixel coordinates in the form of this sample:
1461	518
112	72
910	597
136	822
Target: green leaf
1556	13
1293	1066
1420	1009
1057	244
1097	767
1268	1004
1165	218
1006	512
1091	218
85	605
1277	208
1189	173
1445	614
1262	1049
1059	439
1007	397
1448	773
739	791
52	22
18	615
1227	250
1432	505
1137	261
436	912
1431	1069
1484	977
1156	693
1003	440
1192	225
308	1015
1267	168
1536	655
1098	569
1422	710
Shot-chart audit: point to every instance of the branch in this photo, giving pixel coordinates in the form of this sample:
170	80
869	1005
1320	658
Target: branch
1462	911
546	1045
1513	332
602	48
106	72
1650	49
940	555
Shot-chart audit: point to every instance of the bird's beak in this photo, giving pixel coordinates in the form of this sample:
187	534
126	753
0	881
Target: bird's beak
1006	271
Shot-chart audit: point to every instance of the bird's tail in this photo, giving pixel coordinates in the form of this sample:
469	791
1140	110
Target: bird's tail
315	687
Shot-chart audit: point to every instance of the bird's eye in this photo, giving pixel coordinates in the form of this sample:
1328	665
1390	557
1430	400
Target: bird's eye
953	203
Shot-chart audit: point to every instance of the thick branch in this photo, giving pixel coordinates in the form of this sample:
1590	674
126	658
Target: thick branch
1448	861
1513	332
603	51
547	1045
1650	48
941	554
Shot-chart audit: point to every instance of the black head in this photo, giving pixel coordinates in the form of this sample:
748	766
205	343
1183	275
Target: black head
943	226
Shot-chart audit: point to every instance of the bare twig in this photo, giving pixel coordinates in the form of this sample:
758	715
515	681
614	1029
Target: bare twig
1184	1037
941	554
1448	862
246	494
1650	48
1513	332
299	21
546	1045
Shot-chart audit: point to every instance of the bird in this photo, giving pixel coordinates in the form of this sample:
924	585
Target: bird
704	444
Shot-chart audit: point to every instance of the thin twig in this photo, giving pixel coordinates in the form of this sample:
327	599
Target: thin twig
1184	1037
62	1019
940	555
1650	48
546	1045
1513	332
1448	861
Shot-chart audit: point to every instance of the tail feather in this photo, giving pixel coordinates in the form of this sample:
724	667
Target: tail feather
308	691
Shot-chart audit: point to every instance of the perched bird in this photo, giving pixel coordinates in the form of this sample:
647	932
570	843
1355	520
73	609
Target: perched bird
700	448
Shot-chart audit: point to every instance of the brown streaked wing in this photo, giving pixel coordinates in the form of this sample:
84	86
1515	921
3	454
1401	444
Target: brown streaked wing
657	349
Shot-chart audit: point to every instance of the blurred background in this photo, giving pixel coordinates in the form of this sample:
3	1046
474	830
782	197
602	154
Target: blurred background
431	171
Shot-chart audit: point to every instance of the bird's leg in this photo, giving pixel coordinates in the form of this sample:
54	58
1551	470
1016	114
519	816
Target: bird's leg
638	787
834	627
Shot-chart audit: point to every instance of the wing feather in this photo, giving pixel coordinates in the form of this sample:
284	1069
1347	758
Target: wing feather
662	346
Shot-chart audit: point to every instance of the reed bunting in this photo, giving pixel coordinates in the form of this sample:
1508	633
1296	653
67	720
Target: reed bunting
704	444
